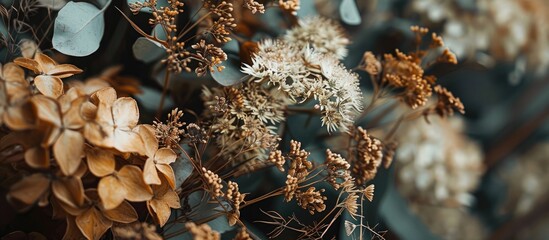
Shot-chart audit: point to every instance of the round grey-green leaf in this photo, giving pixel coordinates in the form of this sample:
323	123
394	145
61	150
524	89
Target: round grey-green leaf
349	12
79	28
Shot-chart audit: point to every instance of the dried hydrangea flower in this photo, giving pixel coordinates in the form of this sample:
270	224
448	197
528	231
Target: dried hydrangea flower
161	204
324	35
311	75
158	159
436	163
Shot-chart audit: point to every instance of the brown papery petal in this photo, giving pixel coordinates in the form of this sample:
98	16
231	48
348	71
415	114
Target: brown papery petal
124	213
47	110
101	162
111	191
99	136
149	139
165	156
19	118
30	188
12	73
127	141
72	118
105	95
68	150
150	175
69	191
172	199
72	231
136	188
125	112
28	64
168	173
37	157
50	86
160	211
93	224
45	63
64	70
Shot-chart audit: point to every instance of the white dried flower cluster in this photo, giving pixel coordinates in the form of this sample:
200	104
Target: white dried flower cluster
450	223
526	180
304	74
507	29
436	163
324	35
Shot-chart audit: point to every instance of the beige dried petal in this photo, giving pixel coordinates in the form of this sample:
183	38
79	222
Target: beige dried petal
111	191
125	112
30	188
72	231
150	174
28	64
47	110
168	173
93	224
165	156
45	63
50	86
20	117
136	188
29	47
101	162
127	141
124	213
69	191
68	151
149	139
64	70
105	95
37	157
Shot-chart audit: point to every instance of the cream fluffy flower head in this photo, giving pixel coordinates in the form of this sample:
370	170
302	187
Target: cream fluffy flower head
436	163
303	73
322	34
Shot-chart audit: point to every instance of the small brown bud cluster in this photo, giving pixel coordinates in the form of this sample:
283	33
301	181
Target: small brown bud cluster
195	134
254	6
277	159
337	167
202	232
447	103
169	133
311	200
389	153
370	64
236	198
213	182
370	152
289	5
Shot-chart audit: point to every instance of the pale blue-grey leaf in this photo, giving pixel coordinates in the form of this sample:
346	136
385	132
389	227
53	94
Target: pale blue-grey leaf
231	75
349	12
79	28
150	98
147	50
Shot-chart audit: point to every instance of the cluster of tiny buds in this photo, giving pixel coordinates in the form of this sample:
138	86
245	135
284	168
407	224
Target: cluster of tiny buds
311	200
277	159
214	183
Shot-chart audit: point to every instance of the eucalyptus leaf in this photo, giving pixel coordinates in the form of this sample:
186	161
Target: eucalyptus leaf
231	75
349	12
400	219
150	98
79	28
52	4
147	50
